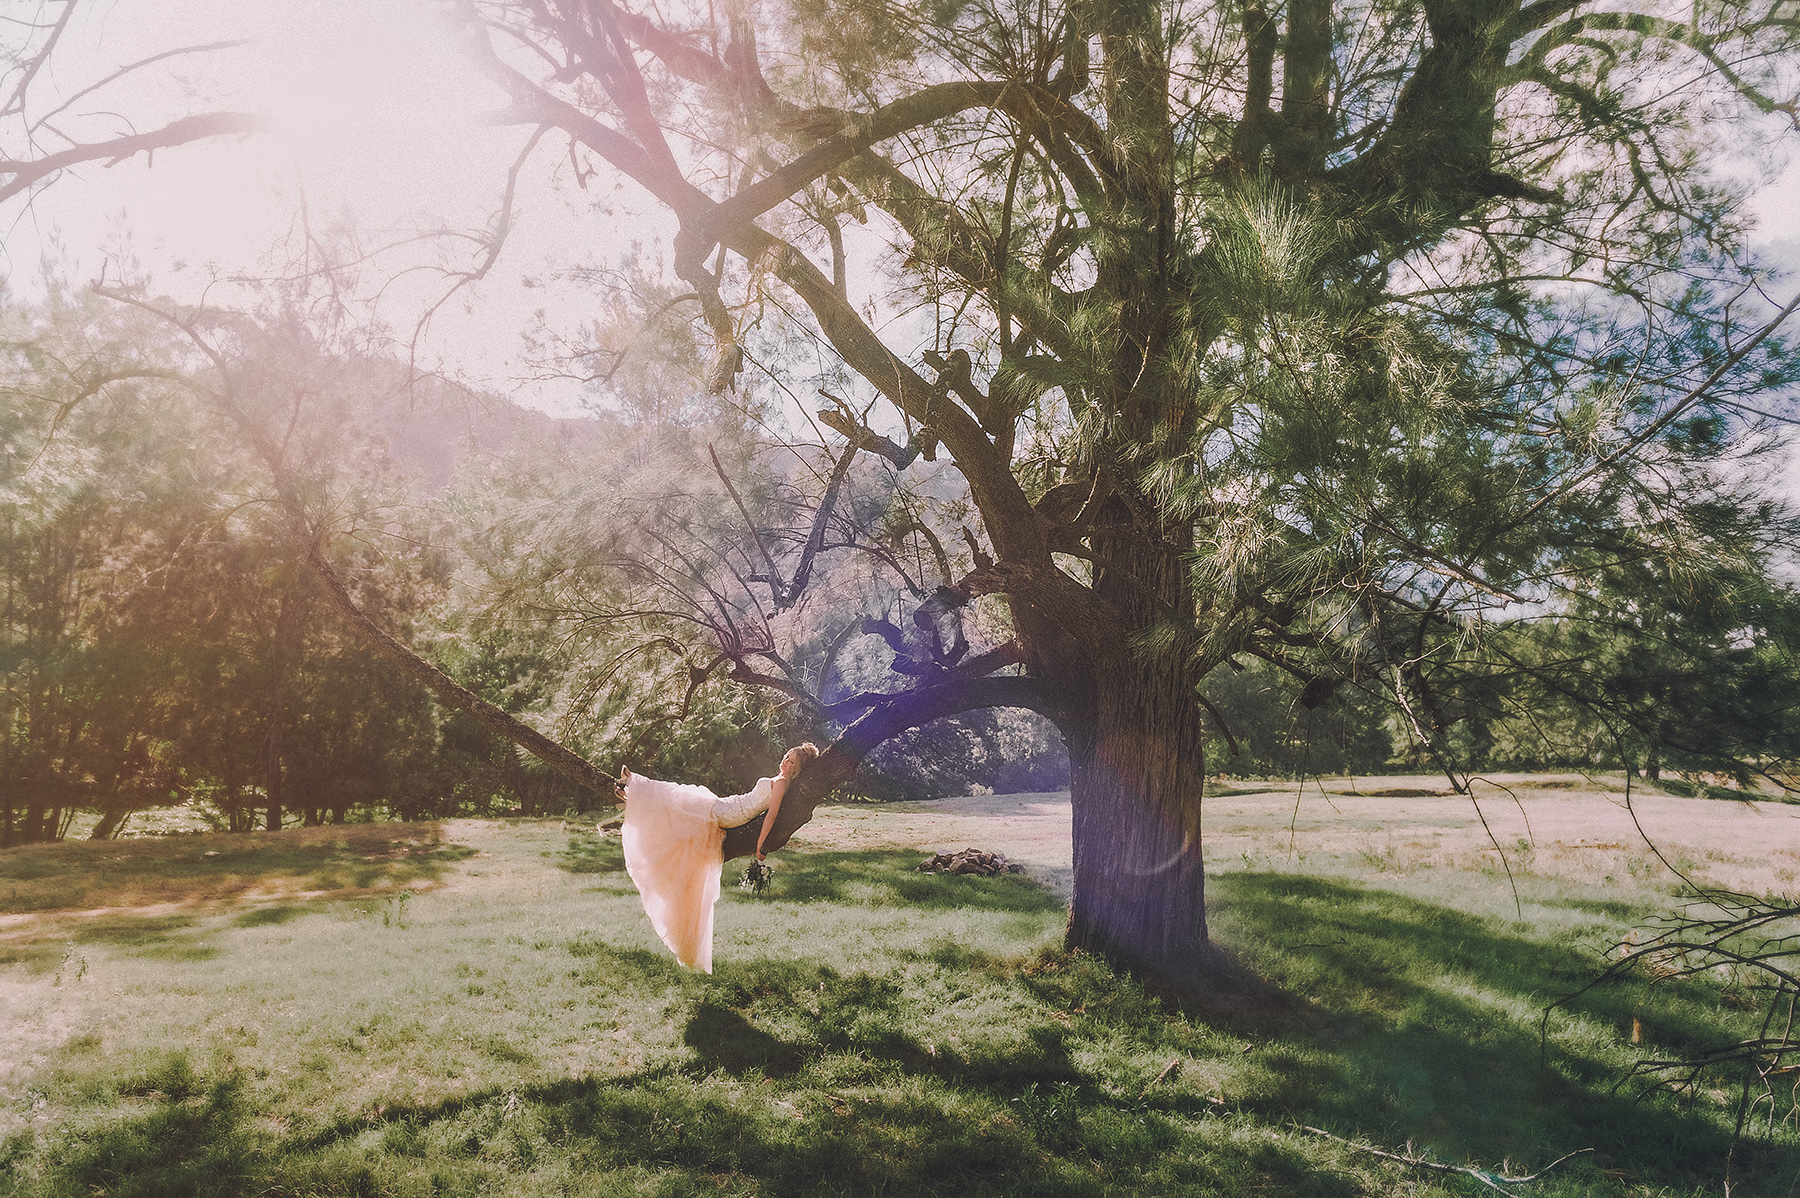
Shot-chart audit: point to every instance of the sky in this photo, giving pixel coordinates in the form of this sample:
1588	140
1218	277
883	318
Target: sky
376	123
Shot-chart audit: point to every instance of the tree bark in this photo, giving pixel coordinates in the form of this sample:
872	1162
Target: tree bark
1137	764
1139	896
1136	775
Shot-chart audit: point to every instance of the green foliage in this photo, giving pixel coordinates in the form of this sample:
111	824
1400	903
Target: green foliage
1279	735
162	643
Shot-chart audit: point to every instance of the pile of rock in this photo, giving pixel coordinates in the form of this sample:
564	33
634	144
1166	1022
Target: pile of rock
969	861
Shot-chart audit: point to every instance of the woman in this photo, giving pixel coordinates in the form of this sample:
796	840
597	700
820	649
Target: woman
675	843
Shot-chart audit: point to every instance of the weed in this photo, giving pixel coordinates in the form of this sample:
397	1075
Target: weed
1382	859
1052	1114
72	960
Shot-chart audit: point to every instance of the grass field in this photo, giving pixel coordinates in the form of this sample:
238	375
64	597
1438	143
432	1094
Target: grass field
481	1008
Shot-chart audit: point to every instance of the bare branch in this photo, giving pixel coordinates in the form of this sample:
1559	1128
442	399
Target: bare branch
175	133
1486	1177
207	48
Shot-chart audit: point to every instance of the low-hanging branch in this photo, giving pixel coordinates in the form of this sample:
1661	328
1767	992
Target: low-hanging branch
558	757
229	404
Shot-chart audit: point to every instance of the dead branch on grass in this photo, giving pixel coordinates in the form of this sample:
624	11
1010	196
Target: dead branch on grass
1487	1177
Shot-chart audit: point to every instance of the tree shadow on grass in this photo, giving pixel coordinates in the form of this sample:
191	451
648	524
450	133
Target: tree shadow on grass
688	1133
821	1013
168	937
75	875
593	855
275	914
724	1039
890	878
1428	1031
1612	909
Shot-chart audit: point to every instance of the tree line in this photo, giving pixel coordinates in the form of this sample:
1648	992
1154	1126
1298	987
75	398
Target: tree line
164	646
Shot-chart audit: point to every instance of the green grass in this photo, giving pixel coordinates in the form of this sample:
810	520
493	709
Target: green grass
870	1030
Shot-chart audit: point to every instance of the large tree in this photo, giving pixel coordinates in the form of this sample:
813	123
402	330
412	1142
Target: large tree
1310	332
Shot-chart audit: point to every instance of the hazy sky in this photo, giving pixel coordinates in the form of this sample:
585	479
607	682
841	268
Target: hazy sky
375	120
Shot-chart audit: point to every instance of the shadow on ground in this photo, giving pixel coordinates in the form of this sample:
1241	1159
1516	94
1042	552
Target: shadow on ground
84	875
959	1072
1427	1028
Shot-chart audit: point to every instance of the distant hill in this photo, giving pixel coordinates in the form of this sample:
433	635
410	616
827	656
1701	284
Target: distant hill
432	424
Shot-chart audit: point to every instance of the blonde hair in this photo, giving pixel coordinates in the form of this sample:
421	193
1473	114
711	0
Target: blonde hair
807	750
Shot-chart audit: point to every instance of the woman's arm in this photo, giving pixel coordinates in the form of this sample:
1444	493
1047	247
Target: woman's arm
792	762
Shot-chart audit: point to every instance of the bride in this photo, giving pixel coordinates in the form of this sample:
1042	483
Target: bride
674	846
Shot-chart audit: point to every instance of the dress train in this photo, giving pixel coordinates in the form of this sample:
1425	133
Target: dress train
674	838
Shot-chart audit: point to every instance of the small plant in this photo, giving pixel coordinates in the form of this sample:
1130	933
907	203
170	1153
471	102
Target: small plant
1382	860
71	960
1052	1114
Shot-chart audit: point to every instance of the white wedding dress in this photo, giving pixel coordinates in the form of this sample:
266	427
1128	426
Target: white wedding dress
674	848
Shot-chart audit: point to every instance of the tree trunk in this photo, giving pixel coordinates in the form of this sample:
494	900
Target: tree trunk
237	816
1139	897
277	715
112	812
1137	762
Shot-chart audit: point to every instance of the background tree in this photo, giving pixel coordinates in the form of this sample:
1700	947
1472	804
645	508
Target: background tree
162	643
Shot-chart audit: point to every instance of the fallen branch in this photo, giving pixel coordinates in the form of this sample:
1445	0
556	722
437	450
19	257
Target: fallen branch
1494	1181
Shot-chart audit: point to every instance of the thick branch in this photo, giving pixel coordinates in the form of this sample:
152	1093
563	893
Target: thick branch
176	133
950	696
1305	112
1252	132
935	103
571	765
997	493
944	237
